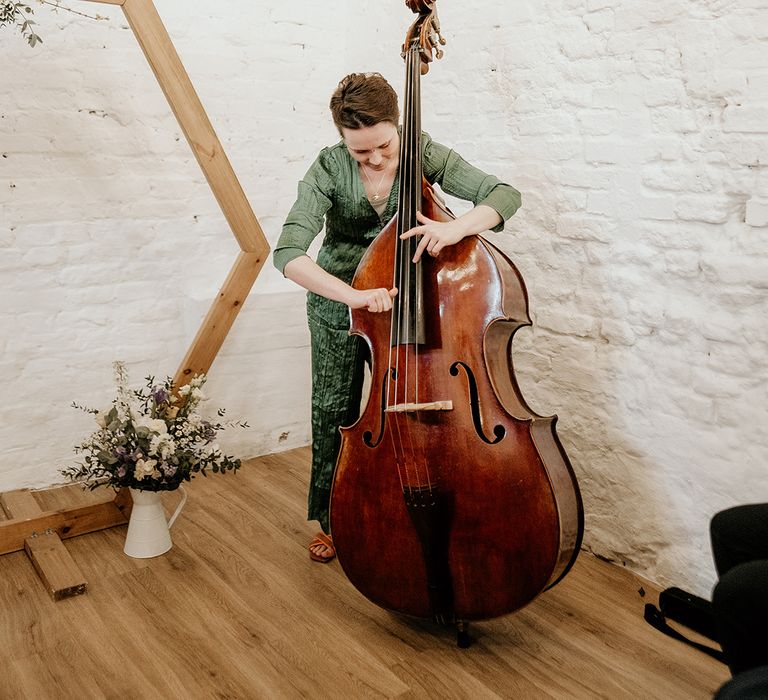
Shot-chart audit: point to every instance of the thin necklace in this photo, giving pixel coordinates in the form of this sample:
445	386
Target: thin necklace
375	197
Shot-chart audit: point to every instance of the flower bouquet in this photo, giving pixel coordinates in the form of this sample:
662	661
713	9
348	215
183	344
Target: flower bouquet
151	439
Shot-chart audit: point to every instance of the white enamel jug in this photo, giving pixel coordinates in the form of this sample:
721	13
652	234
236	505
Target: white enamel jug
148	530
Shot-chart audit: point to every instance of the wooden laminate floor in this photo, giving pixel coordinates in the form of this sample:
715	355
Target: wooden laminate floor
238	610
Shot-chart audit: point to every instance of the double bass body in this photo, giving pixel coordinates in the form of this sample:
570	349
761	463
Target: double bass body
461	505
451	499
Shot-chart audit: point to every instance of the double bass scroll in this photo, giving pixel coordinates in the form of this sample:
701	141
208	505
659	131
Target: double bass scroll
426	31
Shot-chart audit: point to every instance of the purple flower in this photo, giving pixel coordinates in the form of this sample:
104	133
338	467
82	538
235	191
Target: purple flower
168	469
160	395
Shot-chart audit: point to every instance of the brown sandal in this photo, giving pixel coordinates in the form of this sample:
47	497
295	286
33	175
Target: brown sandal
322	540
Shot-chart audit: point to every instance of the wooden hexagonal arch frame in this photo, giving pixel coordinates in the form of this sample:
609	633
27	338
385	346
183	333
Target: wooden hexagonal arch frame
26	519
178	90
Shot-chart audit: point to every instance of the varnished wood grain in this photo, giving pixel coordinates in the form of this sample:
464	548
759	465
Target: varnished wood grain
172	77
58	571
237	610
19	504
60	575
66	522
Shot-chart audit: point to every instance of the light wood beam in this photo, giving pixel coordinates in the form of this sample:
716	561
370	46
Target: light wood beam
177	87
57	570
66	523
19	504
183	100
165	63
220	317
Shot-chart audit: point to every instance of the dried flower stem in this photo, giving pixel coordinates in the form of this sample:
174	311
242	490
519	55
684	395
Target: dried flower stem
56	5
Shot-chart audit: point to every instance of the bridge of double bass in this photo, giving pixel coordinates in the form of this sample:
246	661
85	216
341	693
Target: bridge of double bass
414	407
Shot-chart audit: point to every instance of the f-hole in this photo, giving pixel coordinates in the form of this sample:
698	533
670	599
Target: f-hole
368	435
499	431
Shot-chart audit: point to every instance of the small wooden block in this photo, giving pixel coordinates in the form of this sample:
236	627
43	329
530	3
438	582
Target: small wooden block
19	505
58	571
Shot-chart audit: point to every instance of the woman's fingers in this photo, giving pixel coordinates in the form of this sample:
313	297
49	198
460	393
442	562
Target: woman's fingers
419	230
423	243
379	300
435	235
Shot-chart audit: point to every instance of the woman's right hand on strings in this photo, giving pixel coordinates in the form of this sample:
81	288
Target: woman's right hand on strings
375	300
306	272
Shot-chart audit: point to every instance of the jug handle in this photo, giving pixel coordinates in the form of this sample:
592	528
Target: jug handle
178	507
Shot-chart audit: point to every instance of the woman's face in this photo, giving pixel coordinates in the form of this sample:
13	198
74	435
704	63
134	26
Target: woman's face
377	147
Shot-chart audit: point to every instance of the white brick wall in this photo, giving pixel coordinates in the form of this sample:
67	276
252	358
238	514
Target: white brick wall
112	245
637	132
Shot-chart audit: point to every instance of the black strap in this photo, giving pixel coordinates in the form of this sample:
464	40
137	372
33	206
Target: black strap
654	618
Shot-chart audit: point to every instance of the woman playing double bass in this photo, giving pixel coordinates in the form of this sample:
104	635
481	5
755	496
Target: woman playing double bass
350	190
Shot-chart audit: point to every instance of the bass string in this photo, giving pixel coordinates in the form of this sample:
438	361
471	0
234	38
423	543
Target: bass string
392	421
416	177
407	456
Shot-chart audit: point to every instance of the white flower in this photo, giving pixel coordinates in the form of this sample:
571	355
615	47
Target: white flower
194	420
101	417
162	445
154	425
198	394
145	467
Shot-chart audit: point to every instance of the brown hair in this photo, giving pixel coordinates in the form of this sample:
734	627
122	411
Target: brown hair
363	99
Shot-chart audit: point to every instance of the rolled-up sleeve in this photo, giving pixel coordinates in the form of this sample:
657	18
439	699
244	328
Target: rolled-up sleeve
307	215
460	179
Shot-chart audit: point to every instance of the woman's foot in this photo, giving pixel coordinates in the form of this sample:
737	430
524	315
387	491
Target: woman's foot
321	548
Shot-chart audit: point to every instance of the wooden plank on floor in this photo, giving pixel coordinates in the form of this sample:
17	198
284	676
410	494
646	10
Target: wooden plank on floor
66	523
59	573
19	504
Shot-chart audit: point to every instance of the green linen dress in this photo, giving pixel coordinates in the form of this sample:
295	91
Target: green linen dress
332	194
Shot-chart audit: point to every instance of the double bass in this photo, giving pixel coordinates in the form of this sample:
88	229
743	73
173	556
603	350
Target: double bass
452	500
